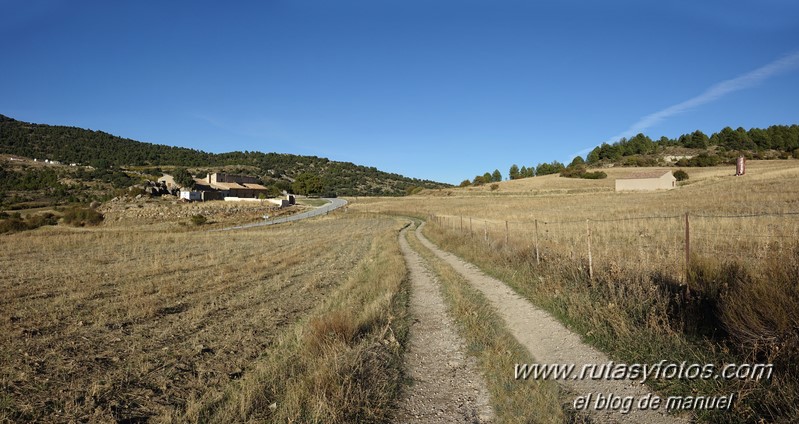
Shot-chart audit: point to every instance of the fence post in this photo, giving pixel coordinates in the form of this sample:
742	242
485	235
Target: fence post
461	224
471	231
485	231
687	248
537	258
590	260
507	233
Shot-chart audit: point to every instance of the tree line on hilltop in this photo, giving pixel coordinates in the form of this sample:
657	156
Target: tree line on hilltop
783	140
774	142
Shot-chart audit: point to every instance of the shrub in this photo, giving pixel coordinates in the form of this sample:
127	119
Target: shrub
198	219
36	221
82	216
12	225
703	159
14	222
580	172
494	186
680	175
596	175
573	171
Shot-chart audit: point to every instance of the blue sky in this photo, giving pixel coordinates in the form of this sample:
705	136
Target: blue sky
442	90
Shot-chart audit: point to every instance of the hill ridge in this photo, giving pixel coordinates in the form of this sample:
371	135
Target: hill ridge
71	144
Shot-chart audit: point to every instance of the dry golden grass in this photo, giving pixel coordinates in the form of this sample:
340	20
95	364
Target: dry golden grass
740	302
562	205
342	365
124	323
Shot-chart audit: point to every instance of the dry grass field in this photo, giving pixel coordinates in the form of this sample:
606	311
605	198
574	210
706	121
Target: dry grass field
643	230
133	322
151	317
736	301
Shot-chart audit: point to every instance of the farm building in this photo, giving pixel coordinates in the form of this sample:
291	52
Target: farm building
646	181
191	195
217	186
236	185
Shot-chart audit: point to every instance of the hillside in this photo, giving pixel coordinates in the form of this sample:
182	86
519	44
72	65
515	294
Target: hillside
102	150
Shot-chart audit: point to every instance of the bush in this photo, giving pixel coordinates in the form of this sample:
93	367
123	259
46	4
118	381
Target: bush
703	159
36	221
494	186
198	219
12	225
81	216
14	222
580	172
680	175
596	175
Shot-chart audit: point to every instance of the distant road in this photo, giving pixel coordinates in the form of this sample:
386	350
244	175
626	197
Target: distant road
332	204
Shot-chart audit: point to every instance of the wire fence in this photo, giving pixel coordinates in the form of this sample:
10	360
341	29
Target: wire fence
664	242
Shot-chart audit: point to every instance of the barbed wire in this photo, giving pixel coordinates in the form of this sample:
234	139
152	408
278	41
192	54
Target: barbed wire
751	215
632	218
748	235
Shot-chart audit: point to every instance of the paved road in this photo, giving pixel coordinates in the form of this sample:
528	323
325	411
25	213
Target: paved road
322	210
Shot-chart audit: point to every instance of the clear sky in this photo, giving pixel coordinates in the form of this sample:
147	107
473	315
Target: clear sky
442	90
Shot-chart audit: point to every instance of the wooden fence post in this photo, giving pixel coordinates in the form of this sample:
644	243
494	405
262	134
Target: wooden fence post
471	231
461	224
507	233
687	248
485	231
537	258
590	259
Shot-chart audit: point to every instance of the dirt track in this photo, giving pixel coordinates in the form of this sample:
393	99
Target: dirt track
447	387
551	343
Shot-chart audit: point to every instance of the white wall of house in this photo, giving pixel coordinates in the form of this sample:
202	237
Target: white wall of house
191	195
664	182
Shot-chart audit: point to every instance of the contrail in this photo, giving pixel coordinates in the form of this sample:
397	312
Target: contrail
715	91
747	80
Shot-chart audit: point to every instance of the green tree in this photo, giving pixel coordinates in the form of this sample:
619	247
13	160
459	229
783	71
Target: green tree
549	168
307	183
593	157
528	172
465	183
695	140
183	178
513	174
577	161
496	176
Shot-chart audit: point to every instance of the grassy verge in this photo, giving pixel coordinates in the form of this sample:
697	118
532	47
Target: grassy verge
312	202
729	316
497	351
341	365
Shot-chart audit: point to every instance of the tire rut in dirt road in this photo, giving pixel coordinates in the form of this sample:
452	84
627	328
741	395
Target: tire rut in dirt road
550	342
446	386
